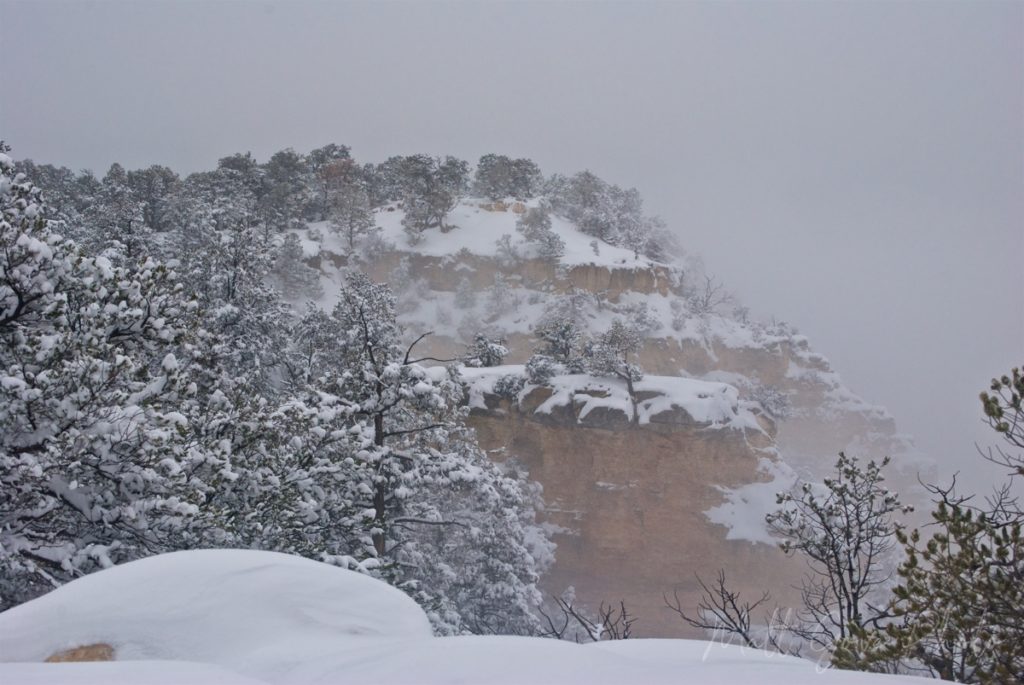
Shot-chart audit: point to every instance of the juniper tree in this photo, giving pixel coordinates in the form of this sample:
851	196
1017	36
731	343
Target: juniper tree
498	177
535	226
430	189
609	355
485	352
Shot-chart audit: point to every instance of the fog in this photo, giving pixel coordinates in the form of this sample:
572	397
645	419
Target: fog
854	169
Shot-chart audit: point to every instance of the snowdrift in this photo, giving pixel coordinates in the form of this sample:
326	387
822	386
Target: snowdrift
243	617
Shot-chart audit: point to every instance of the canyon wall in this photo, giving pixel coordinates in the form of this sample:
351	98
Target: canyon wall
627	504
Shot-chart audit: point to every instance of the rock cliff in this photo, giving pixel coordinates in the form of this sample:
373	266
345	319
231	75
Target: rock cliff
627	500
640	500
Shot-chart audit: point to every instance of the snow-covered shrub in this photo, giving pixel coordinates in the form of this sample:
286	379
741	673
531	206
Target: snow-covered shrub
773	400
540	369
501	297
642	320
485	352
509	386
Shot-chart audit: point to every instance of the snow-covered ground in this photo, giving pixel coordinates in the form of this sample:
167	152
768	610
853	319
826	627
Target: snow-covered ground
477	229
238	617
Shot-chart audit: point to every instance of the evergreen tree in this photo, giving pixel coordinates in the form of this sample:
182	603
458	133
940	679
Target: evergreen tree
609	355
535	226
285	190
90	392
297	280
485	352
430	189
115	223
498	177
959	608
322	165
349	211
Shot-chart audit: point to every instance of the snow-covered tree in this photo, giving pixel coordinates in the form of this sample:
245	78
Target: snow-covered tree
485	352
420	471
609	355
153	187
501	297
535	226
115	223
562	341
348	208
430	189
498	177
541	368
845	530
90	392
323	164
285	190
505	251
296	279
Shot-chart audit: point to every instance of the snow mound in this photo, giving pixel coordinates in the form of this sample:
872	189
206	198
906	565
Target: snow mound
227	607
745	507
245	617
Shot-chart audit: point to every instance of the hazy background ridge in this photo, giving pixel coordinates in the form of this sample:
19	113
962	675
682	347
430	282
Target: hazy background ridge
856	169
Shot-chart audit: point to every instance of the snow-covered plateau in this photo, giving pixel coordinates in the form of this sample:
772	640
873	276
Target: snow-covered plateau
240	617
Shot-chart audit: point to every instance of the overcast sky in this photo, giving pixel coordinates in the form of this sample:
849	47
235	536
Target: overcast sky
854	168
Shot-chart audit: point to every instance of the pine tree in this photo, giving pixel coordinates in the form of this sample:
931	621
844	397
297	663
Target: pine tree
959	607
115	224
90	392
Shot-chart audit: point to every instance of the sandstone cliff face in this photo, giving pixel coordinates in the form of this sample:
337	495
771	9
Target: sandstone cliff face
443	274
628	503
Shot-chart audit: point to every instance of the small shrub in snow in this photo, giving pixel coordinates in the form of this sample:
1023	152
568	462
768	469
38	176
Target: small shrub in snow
540	369
773	400
509	386
485	352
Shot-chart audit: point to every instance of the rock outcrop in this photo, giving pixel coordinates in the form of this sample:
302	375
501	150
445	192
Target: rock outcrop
627	501
639	507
